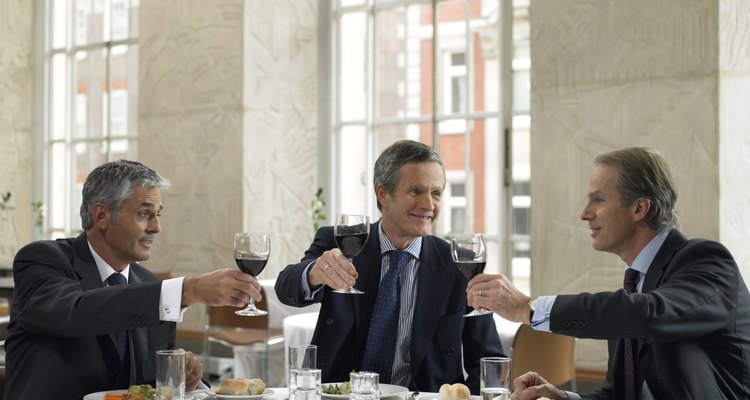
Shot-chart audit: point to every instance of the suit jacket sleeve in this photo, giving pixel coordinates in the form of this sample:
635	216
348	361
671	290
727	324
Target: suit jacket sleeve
289	282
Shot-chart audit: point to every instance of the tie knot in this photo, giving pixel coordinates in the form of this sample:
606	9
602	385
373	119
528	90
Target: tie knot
116	279
631	278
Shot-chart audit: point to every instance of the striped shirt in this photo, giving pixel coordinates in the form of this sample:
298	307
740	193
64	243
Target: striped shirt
401	373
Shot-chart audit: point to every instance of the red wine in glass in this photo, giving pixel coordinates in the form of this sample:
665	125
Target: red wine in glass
351	233
251	251
470	255
470	269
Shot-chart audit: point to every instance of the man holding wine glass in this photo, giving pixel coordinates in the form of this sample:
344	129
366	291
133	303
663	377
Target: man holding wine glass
408	323
86	316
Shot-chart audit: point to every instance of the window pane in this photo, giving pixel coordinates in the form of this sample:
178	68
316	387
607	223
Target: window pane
353	70
123	149
485	42
452	82
90	76
57	174
59	20
58	97
131	86
352	170
391	58
120	17
89	21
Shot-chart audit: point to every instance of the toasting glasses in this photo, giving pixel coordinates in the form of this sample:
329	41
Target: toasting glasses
251	251
470	254
351	232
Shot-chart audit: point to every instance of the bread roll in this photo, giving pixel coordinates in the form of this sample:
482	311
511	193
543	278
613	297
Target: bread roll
456	391
255	386
236	386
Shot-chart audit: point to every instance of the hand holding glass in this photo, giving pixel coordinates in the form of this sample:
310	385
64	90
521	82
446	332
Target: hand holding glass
251	251
351	232
470	255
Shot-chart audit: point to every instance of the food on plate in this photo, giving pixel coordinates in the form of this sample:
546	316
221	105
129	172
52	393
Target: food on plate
135	392
456	391
342	389
240	386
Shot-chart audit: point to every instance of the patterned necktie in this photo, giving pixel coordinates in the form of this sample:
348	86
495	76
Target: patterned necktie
631	278
122	336
381	339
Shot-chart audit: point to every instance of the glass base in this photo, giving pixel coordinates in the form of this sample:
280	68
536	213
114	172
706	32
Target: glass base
476	313
350	290
251	312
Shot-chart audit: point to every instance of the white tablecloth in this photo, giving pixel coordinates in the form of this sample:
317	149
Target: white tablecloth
277	311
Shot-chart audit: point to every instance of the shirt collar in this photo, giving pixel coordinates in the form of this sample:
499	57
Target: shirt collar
644	259
105	270
414	248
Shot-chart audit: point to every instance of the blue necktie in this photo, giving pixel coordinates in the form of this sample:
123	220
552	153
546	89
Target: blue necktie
122	336
381	338
631	278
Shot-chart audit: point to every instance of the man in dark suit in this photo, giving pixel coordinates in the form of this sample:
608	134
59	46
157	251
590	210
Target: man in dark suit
684	313
85	316
429	338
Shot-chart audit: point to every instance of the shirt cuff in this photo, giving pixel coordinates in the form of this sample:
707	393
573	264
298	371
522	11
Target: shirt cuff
170	300
306	288
540	320
572	396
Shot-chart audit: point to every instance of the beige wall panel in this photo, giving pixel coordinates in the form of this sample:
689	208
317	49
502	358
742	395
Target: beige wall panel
191	130
734	19
16	74
280	114
611	75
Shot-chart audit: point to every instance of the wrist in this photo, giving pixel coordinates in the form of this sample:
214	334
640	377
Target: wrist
531	309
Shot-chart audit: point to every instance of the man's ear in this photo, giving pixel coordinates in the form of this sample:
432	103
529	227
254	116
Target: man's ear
382	194
100	214
641	209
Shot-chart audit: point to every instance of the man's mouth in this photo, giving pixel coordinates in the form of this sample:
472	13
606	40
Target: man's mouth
146	243
422	217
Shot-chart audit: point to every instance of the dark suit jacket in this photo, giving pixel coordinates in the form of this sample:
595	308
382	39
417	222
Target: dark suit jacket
691	321
60	341
439	328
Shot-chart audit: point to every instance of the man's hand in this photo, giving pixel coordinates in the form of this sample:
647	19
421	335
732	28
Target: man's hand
531	386
332	269
193	372
497	293
224	287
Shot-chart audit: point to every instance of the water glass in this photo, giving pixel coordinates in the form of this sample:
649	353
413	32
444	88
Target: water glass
301	356
364	385
304	384
494	374
170	374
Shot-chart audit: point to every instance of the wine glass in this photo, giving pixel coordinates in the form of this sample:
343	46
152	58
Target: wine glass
251	251
351	232
470	254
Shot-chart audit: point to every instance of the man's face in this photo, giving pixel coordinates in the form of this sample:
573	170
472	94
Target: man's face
130	239
613	225
409	212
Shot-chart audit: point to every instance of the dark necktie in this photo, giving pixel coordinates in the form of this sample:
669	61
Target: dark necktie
631	278
122	336
381	338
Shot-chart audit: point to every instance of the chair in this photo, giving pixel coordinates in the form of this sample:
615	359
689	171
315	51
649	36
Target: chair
551	355
224	327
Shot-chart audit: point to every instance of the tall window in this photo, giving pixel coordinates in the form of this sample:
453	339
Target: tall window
440	72
91	93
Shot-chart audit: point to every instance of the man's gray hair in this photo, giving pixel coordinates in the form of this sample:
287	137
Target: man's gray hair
644	172
112	184
391	160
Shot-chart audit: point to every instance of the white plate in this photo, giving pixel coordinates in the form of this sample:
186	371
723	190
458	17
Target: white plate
100	395
268	392
434	396
386	390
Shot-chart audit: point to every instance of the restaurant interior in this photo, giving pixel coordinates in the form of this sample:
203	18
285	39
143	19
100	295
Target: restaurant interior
267	116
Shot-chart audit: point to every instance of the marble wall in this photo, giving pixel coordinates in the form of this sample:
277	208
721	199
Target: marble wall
16	75
228	113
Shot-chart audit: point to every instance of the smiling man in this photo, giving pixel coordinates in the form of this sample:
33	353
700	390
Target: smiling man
679	328
86	317
423	341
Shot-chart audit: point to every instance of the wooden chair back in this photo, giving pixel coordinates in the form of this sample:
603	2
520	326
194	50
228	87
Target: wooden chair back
551	355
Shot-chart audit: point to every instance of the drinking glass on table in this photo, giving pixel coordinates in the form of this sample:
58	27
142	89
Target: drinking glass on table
251	251
470	255
494	378
351	232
